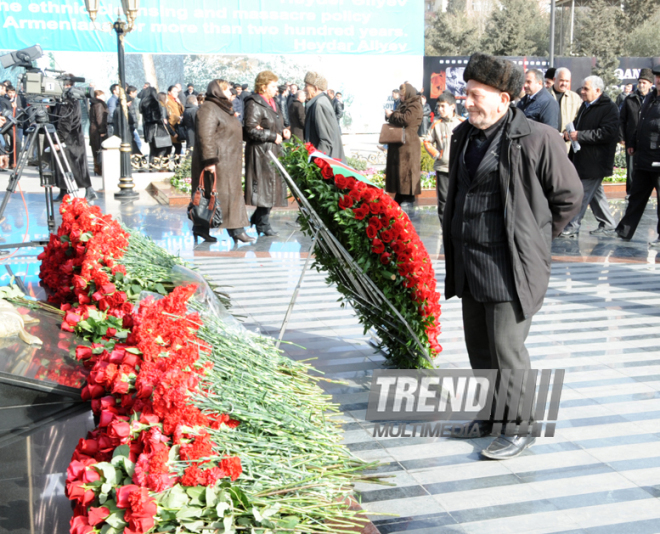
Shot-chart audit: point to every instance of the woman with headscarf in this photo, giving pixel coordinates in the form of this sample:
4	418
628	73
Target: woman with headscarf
402	173
264	131
153	119
218	151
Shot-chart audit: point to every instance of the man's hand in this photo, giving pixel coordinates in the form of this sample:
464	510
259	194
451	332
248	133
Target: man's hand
388	112
209	168
4	162
3	120
278	139
570	136
286	133
630	151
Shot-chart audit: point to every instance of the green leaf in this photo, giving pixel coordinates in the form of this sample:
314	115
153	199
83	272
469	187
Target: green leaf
116	519
86	237
121	451
177	498
228	523
160	288
211	497
189	512
289	522
107	529
136	288
134	350
221	508
109	473
193	526
196	494
239	498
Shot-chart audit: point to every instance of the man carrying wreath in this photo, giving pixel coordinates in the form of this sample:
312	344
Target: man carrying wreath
512	190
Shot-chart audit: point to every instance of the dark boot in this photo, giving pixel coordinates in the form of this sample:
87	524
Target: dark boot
238	234
200	231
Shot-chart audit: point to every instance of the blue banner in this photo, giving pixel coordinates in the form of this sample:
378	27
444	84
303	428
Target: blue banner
369	27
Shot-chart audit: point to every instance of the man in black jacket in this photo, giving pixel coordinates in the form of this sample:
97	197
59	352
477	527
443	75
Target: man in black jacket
629	117
538	104
597	132
511	191
297	115
646	151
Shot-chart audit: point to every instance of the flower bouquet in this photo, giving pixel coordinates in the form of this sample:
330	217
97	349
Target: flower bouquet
381	241
201	426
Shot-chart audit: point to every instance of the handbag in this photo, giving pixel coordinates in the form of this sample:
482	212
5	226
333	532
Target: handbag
392	135
204	211
161	138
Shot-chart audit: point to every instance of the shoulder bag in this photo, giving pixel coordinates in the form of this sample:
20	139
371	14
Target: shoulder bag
204	211
392	135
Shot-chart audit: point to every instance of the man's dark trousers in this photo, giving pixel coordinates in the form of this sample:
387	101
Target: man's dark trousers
495	334
642	188
441	187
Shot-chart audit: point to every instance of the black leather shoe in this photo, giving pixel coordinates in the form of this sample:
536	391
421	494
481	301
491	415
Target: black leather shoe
506	447
199	231
60	197
476	429
268	232
240	235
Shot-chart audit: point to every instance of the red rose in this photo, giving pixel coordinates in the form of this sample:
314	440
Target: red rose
98	515
80	525
371	231
83	353
119	429
387	235
79	282
385	258
361	212
377	246
123	493
345	202
375	221
340	181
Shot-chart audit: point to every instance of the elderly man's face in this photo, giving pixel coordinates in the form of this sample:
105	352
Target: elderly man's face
628	88
485	104
562	82
532	85
311	91
588	92
644	86
548	83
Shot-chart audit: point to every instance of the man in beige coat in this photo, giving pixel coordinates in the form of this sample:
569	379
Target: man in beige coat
569	101
437	144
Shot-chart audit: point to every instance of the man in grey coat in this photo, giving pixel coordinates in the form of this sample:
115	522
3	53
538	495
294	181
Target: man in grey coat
511	191
321	127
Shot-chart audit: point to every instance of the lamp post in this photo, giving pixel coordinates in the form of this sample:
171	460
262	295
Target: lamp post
130	7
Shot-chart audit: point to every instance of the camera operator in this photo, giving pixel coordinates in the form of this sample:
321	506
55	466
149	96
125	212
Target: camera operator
69	129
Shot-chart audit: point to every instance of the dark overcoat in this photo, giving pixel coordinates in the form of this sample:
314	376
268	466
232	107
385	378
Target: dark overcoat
264	186
322	128
404	161
541	193
219	142
98	123
598	133
69	130
297	119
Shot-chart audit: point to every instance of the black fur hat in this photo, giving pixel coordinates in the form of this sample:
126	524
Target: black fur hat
499	73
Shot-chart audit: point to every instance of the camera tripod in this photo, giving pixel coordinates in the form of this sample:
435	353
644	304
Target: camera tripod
40	133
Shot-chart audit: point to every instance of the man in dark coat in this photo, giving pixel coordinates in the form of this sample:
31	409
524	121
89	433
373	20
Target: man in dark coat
69	130
113	102
511	191
538	104
645	148
338	106
629	117
627	90
189	120
282	98
98	127
321	128
597	132
297	115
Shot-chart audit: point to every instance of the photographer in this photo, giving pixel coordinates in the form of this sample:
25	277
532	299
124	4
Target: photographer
69	130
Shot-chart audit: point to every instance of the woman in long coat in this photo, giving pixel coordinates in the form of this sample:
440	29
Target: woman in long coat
264	131
218	151
402	173
154	116
98	127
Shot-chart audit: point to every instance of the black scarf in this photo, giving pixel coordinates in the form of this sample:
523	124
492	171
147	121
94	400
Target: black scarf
214	94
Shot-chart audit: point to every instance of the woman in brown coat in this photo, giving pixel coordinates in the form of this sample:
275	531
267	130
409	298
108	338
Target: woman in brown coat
402	173
218	151
98	127
264	132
